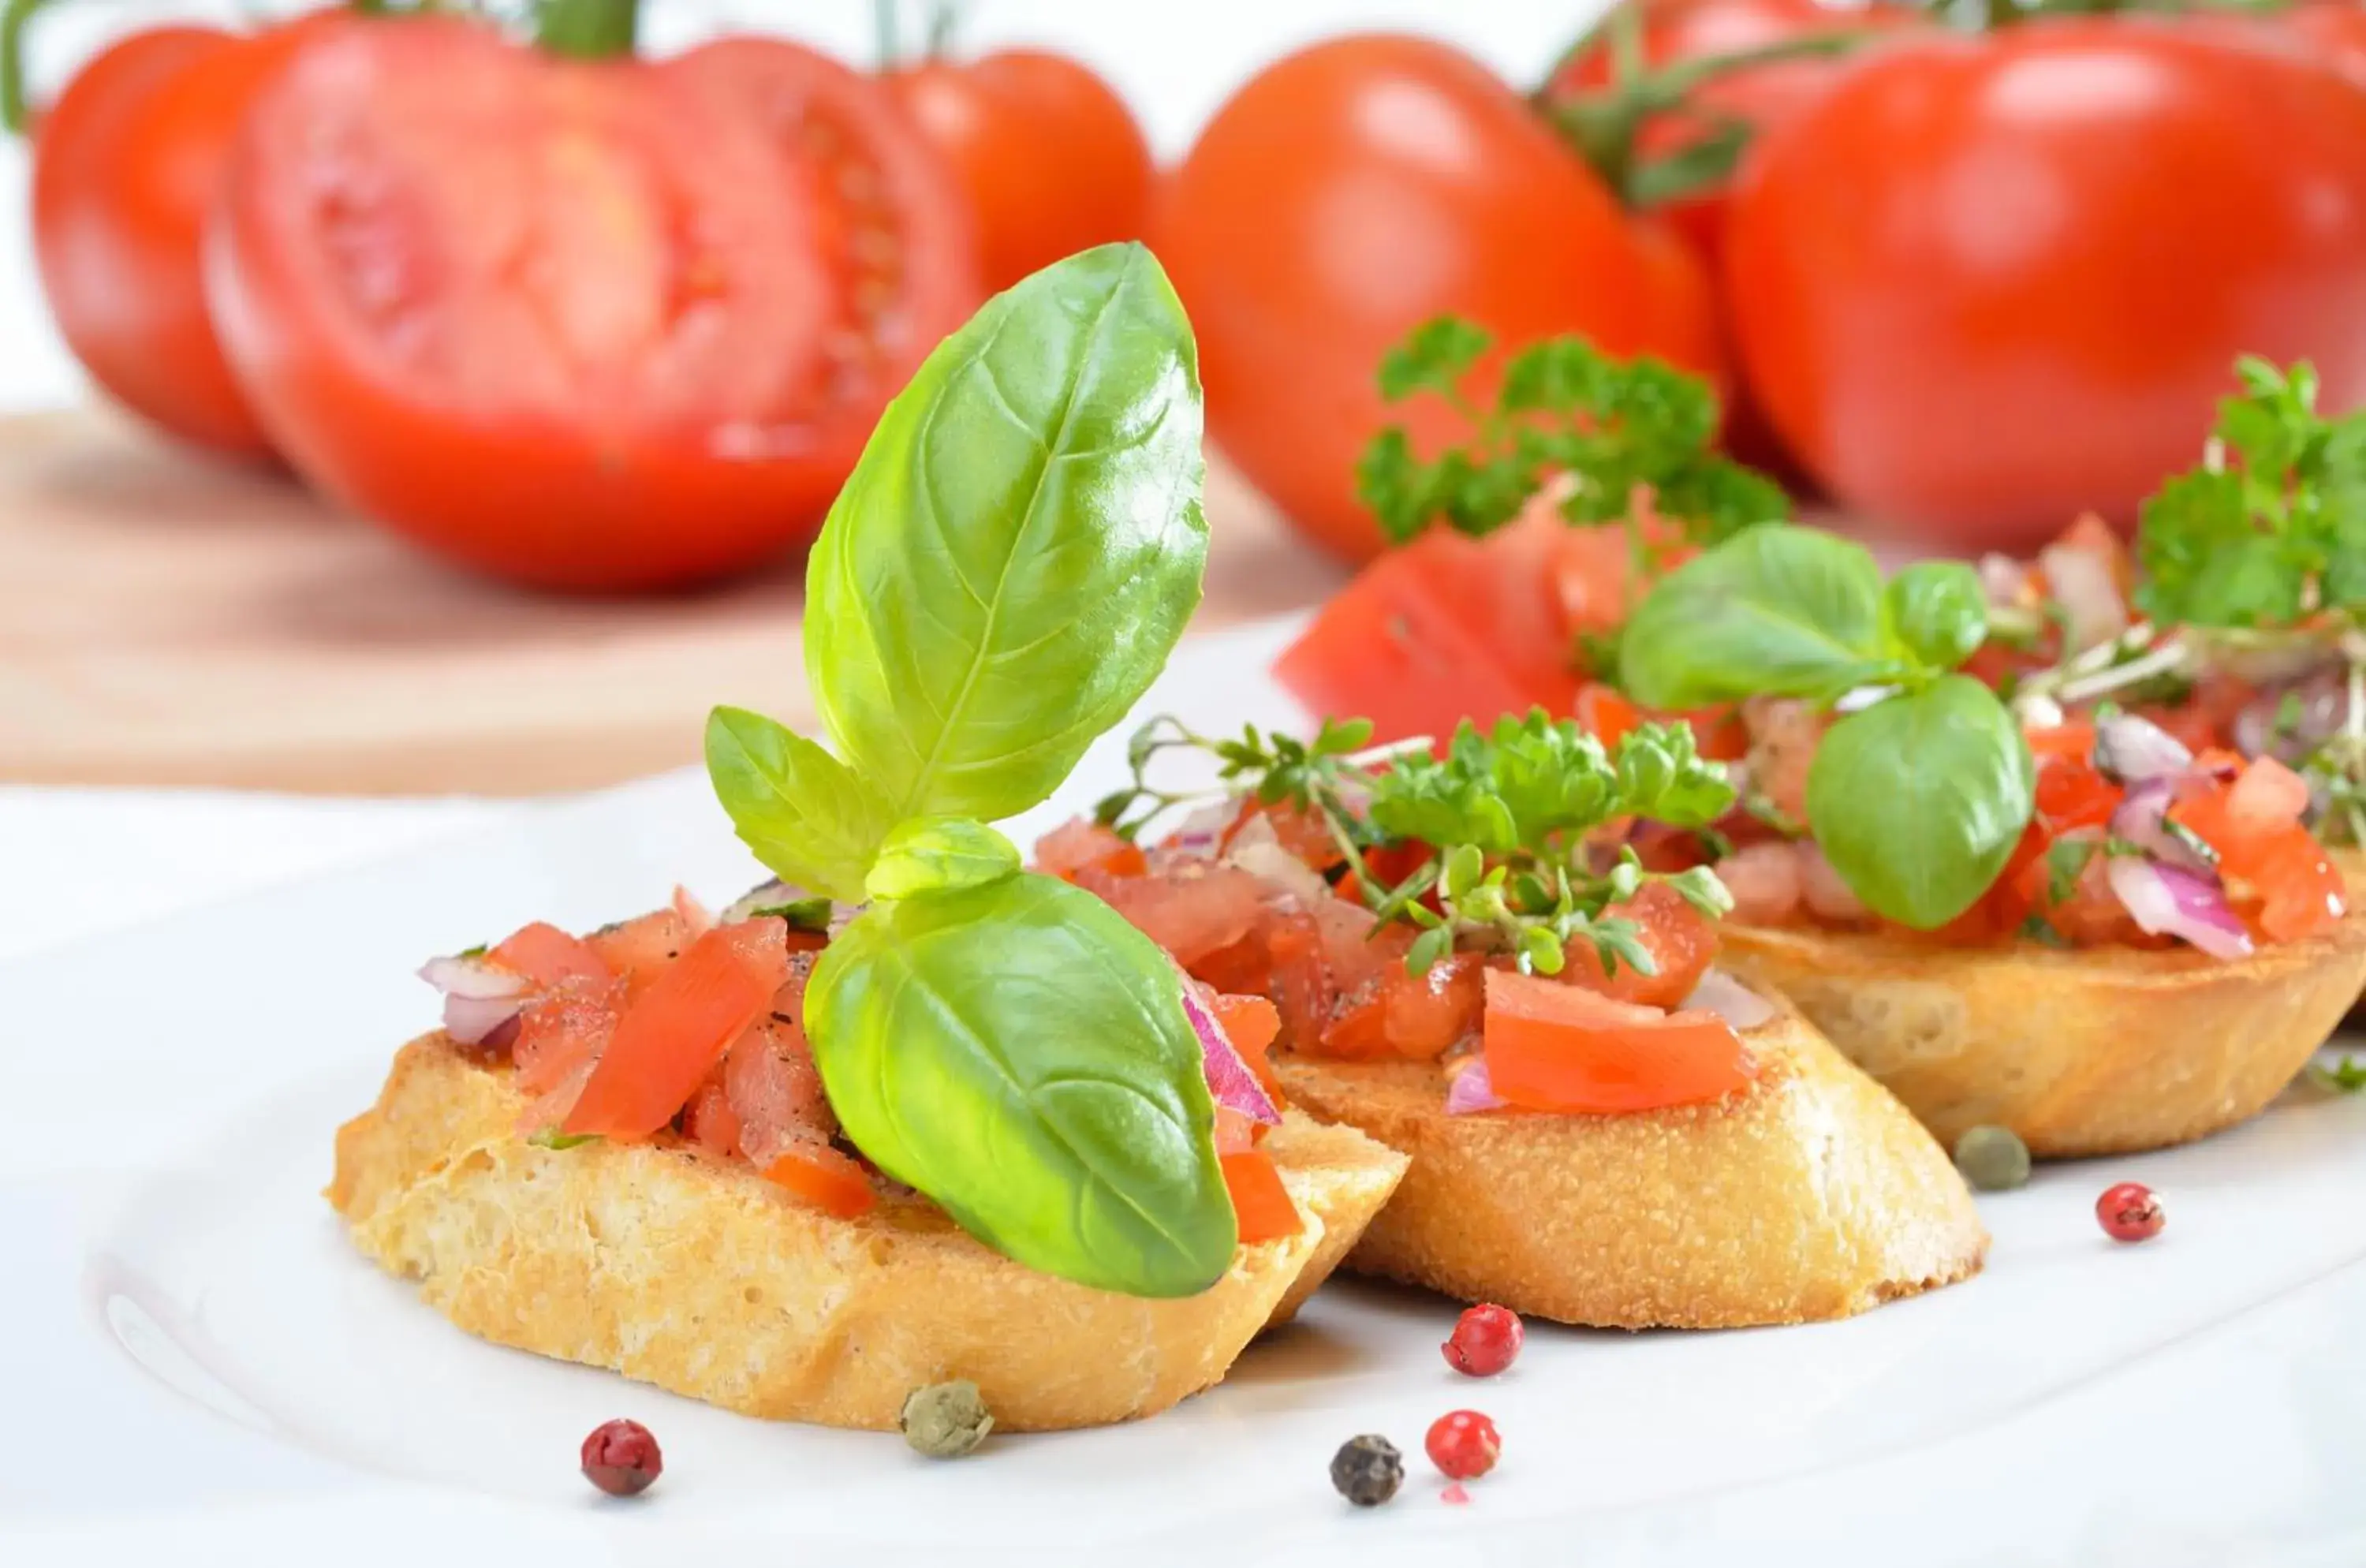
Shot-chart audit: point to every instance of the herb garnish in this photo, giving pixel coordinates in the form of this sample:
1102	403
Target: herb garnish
1507	816
1002	576
1917	799
1564	409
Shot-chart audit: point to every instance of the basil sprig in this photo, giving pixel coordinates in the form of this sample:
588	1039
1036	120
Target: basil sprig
1004	574
1918	799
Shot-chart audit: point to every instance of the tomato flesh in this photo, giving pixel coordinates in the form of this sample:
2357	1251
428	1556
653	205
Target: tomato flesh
548	956
588	325
674	1033
1260	1202
1562	1050
827	1179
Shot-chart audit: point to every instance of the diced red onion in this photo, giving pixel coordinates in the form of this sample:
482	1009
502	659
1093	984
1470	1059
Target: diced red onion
2143	820
2081	580
479	997
2170	900
1731	1000
2321	707
1228	1079
2134	750
1472	1091
1256	850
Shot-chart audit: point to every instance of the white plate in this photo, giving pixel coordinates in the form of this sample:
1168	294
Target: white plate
193	1366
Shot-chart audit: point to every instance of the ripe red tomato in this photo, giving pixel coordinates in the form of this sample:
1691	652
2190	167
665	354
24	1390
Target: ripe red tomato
1348	193
126	166
1760	97
1052	158
2336	29
582	324
1984	283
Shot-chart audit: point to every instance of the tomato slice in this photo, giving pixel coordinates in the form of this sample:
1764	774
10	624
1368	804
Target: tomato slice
1250	1022
2072	794
641	950
1260	1202
591	325
1556	1048
1680	938
671	1037
564	1031
1441	630
827	1179
547	955
2263	849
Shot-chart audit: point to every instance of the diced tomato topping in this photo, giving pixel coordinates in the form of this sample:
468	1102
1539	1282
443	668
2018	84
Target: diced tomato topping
1605	713
1561	1049
641	950
2074	738
709	1122
563	1029
1084	845
2072	794
1595	570
1191	912
827	1179
1301	831
547	955
2268	795
1250	1022
674	1033
1260	1202
1680	938
2276	872
1414	1017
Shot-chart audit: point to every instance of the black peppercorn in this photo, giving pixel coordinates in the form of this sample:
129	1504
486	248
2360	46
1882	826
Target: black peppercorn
1368	1471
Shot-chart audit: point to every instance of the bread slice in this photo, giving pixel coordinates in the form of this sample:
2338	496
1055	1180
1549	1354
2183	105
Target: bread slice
701	1277
2082	1050
1810	1195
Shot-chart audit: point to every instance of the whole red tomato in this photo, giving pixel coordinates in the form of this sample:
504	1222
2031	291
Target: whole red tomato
1052	158
1985	284
1355	189
1758	97
590	324
126	164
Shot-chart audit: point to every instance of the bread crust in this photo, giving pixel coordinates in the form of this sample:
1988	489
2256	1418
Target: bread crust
699	1276
1809	1195
2080	1052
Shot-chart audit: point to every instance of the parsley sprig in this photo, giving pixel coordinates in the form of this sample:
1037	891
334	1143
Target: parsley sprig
1564	409
2269	529
1505	814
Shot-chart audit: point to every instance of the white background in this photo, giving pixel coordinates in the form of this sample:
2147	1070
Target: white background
1175	60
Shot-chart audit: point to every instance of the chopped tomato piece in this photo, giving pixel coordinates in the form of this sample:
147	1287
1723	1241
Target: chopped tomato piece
1414	1017
1260	1202
1680	938
2268	795
2075	738
827	1179
1298	830
563	1029
1191	912
709	1122
2300	889
1605	713
1595	570
674	1033
1083	845
1556	1048
1250	1022
1443	629
2072	794
641	950
547	955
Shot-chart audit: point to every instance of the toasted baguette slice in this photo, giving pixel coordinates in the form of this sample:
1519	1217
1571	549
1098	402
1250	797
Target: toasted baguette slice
702	1278
1810	1195
2080	1052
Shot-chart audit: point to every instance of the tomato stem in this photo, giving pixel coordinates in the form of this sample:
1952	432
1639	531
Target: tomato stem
587	29
1604	125
16	114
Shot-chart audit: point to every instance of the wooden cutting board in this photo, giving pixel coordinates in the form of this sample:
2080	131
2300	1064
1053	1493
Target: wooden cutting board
165	620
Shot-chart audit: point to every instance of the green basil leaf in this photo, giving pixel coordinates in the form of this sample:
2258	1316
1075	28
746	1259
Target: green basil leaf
1018	1052
930	855
1777	610
804	813
1018	550
1938	611
1918	800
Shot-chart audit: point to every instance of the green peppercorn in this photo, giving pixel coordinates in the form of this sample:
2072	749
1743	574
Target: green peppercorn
1368	1471
1993	1159
945	1420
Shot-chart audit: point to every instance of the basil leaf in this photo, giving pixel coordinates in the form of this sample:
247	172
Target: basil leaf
1938	611
940	854
1776	610
1918	800
802	812
1018	1052
1017	551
